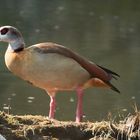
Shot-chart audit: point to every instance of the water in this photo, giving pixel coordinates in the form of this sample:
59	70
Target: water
106	32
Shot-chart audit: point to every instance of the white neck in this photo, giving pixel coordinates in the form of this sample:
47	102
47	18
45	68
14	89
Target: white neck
16	45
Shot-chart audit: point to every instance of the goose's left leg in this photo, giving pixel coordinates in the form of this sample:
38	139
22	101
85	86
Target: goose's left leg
79	109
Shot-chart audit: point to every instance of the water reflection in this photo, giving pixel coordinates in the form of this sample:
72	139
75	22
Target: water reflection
106	32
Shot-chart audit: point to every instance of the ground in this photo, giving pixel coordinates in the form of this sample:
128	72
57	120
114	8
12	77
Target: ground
29	127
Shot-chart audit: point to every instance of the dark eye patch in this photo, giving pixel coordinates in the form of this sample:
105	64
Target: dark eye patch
4	31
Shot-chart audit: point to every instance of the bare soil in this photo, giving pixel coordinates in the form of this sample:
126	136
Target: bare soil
29	127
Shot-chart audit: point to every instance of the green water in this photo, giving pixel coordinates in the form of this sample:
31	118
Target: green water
106	32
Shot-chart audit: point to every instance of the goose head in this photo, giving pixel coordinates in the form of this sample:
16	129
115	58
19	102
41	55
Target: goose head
12	36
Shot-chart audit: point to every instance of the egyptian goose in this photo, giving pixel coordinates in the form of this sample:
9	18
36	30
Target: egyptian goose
53	67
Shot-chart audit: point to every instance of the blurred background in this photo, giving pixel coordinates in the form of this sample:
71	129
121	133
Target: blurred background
106	32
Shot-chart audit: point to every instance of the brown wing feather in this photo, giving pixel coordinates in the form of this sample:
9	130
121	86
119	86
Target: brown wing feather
95	71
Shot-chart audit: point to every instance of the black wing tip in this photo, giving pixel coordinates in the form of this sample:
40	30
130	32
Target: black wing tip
113	87
116	74
115	77
109	71
113	74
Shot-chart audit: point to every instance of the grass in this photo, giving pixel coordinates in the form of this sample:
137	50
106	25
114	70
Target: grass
29	127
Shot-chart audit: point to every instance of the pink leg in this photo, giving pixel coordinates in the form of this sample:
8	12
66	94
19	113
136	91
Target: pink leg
52	107
79	112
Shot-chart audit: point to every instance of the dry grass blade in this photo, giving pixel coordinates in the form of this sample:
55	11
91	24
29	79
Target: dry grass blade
41	128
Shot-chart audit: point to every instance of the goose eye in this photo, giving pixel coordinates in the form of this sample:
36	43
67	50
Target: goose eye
4	31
